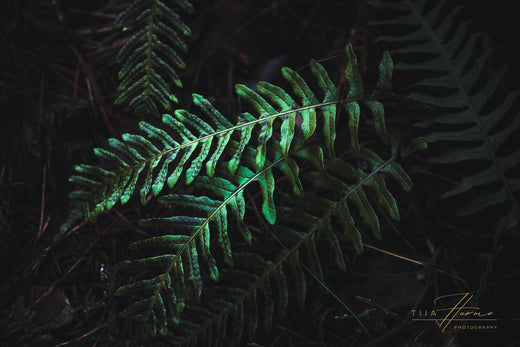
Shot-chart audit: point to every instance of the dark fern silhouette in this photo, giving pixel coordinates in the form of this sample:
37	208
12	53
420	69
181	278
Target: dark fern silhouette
475	114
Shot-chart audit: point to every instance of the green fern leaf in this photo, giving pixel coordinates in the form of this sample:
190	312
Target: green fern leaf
150	57
257	289
207	205
295	234
186	143
176	261
186	246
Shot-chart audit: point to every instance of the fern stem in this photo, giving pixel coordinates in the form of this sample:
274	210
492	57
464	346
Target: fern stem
238	126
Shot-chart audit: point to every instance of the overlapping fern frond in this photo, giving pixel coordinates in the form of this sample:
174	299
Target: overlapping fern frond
185	143
151	57
177	256
180	258
256	292
477	119
184	250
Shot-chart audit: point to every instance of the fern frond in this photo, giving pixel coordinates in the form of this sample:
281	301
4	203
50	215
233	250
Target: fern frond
187	238
476	116
338	183
150	58
185	245
253	295
185	143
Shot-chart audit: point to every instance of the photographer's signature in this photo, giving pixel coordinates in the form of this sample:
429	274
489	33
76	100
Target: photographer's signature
460	316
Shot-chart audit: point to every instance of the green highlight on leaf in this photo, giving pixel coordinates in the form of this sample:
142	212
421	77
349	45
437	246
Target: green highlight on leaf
180	277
